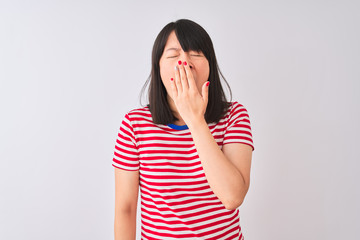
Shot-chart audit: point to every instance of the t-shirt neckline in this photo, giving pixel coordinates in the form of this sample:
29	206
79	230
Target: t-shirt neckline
177	127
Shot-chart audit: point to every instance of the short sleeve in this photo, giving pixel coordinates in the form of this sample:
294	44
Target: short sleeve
238	128
126	154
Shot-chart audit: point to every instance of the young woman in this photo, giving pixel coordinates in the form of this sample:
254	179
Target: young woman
189	150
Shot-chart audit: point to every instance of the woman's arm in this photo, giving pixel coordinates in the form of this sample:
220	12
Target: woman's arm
126	198
227	171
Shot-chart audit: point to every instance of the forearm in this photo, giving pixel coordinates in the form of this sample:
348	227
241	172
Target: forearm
223	177
125	226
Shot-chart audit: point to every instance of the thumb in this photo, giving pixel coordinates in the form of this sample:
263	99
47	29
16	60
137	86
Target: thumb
205	91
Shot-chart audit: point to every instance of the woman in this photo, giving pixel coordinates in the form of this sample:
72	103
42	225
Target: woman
189	150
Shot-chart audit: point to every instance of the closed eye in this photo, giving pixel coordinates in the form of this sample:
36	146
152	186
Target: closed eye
172	56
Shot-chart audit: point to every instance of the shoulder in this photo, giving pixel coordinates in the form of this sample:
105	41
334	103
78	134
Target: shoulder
138	112
236	107
236	111
138	115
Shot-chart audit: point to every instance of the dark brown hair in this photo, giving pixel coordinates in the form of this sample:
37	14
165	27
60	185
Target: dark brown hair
191	37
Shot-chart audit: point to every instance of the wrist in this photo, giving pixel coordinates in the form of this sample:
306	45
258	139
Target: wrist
197	123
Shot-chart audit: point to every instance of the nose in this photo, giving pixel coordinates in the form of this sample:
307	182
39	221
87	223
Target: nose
185	58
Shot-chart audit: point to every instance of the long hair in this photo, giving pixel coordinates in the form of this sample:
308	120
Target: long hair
191	37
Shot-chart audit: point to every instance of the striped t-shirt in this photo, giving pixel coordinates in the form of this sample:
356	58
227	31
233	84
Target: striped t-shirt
176	199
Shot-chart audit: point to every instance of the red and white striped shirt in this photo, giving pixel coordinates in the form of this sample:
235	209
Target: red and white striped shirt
176	199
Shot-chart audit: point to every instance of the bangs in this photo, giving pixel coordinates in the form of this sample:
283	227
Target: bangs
192	37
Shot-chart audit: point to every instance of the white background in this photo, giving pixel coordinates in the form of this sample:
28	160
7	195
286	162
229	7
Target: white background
69	71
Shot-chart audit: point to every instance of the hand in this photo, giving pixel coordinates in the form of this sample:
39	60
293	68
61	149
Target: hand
191	105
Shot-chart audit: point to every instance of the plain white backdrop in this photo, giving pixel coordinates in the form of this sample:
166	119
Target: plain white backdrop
70	70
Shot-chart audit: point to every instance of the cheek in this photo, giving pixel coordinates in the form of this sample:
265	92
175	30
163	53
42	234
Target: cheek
166	74
205	71
166	71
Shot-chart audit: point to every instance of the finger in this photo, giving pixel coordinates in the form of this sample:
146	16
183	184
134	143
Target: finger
190	77
205	91
177	80
173	88
183	77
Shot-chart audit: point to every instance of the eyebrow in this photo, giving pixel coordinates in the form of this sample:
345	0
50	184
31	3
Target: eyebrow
176	49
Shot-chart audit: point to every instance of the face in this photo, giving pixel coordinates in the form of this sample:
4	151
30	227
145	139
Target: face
172	54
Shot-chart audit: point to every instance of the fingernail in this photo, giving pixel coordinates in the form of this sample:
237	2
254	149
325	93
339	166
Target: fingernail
172	79
179	62
185	63
207	84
